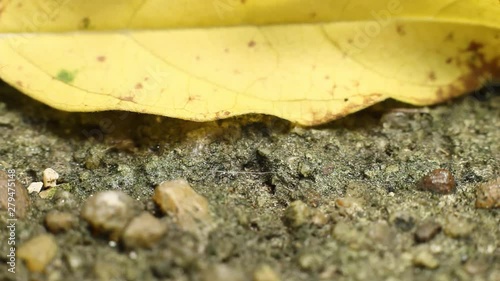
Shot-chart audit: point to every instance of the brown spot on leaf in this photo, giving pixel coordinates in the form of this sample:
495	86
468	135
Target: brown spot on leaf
101	58
85	23
474	47
19	83
400	30
226	50
439	93
349	108
221	114
432	76
127	98
251	43
449	60
193	98
138	86
449	37
479	70
332	91
313	15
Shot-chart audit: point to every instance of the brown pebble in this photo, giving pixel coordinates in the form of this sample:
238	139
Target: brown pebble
439	181
426	231
21	201
488	194
57	222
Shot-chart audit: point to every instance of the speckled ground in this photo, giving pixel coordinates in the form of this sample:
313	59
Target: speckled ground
354	182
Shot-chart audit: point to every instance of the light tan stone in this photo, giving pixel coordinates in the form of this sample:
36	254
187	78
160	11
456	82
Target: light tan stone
143	231
38	252
177	199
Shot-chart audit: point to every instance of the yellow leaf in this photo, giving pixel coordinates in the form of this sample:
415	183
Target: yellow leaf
306	61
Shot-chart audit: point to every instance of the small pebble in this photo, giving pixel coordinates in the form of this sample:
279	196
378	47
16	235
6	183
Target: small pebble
425	259
403	221
381	234
38	252
35	187
265	273
74	259
305	170
143	231
319	218
93	159
222	272
426	231
349	206
310	262
476	266
488	194
296	214
22	201
191	210
456	227
108	212
49	177
349	235
438	181
108	268
57	222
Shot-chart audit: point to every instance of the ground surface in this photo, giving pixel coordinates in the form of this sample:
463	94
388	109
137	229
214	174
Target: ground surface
356	176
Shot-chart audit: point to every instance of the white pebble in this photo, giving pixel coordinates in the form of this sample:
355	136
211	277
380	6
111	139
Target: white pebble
49	178
35	187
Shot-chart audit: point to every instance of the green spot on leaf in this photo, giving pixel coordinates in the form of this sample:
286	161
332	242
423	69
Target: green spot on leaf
65	76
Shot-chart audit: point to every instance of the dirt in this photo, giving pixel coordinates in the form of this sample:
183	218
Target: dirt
353	184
